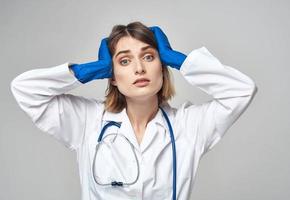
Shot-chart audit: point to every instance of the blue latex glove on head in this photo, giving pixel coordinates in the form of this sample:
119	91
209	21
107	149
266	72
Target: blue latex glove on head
95	70
167	55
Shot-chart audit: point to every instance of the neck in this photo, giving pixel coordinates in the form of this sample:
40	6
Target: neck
141	112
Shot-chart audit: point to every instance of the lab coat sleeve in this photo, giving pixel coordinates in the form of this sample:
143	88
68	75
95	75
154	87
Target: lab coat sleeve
232	92
40	93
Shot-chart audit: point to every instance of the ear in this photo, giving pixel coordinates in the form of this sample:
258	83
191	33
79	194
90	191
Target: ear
113	82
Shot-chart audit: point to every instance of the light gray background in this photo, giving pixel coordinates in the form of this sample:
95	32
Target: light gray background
250	163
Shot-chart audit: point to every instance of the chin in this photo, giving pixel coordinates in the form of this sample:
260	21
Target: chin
142	97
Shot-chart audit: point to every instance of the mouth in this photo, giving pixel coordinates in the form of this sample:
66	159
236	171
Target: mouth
141	80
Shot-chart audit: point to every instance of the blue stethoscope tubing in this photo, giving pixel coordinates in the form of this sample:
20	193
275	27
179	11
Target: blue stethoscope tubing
113	123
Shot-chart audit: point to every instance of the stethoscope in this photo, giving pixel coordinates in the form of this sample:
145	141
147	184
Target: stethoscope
117	183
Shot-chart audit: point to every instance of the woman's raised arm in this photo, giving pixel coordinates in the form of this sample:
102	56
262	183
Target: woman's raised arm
205	124
232	92
40	93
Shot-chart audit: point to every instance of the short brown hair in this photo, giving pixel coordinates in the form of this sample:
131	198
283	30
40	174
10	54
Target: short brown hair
115	101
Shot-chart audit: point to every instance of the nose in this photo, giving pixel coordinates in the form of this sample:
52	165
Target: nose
140	68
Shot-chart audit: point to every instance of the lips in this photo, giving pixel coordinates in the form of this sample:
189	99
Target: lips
141	80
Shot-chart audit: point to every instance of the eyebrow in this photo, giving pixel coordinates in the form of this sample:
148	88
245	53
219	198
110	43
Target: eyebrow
127	51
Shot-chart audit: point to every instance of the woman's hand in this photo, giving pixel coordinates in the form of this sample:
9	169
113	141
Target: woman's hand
95	70
167	55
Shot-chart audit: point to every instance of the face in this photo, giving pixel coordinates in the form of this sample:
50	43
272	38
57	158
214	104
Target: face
133	60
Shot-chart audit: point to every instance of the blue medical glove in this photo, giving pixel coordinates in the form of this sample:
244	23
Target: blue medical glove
167	55
95	70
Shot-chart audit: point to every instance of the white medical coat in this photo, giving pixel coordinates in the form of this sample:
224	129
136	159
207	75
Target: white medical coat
76	122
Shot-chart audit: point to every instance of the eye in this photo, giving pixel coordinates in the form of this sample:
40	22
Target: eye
124	63
150	57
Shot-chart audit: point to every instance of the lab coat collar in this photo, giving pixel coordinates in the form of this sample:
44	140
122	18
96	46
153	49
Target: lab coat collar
121	116
127	130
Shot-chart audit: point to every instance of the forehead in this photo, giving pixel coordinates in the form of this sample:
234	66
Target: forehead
129	43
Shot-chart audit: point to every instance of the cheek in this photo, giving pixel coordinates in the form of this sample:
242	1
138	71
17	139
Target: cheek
161	80
158	72
158	76
122	80
121	77
119	74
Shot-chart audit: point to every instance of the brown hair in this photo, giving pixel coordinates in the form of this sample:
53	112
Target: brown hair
115	101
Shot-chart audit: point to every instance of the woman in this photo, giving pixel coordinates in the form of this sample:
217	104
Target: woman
167	143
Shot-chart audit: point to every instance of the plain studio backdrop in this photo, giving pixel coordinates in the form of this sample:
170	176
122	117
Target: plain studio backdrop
252	160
